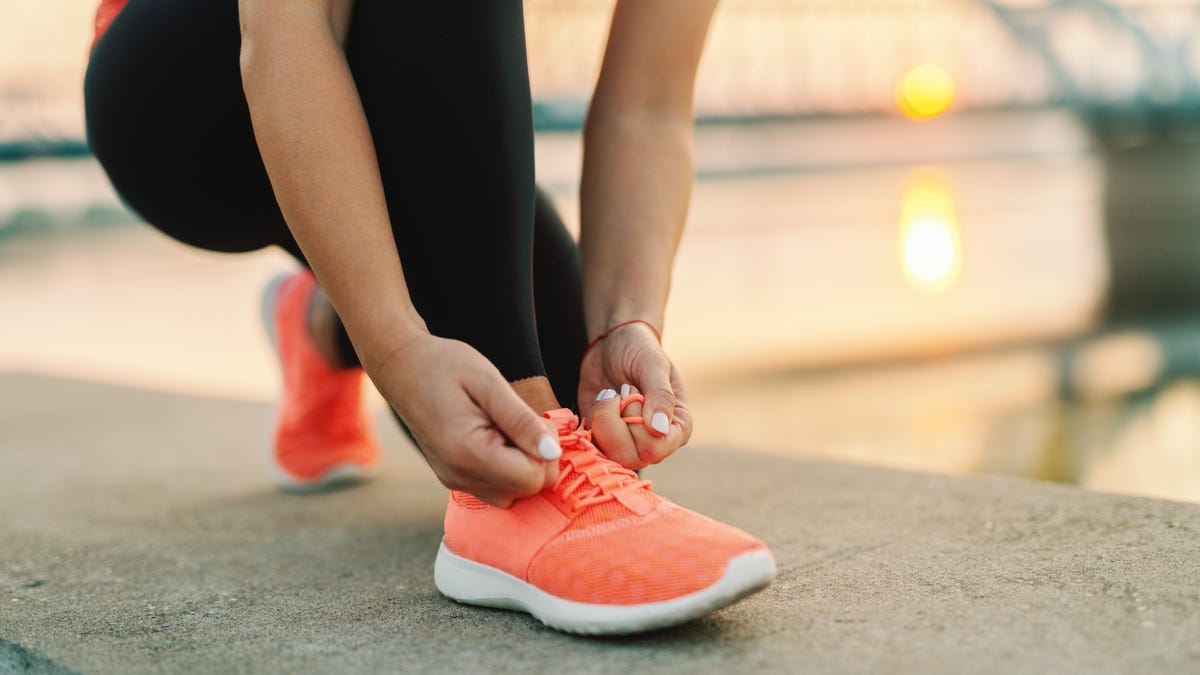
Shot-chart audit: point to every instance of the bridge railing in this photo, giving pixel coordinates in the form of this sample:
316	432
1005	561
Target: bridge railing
802	57
768	58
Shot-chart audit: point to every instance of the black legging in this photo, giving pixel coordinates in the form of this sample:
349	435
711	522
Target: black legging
445	88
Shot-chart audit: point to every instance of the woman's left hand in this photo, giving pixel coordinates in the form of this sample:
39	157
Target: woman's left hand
631	356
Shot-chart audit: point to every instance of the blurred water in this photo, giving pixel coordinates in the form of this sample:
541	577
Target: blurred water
795	315
800	249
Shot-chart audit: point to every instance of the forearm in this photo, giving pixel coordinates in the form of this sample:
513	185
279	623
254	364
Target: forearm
636	185
317	148
637	168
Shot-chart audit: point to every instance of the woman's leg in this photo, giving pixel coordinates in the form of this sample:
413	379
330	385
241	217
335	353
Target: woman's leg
445	88
168	121
558	301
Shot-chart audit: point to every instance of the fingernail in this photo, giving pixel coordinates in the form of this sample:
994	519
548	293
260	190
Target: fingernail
660	423
605	394
548	448
624	391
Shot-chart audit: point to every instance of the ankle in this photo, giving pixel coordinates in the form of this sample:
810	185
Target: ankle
323	328
536	392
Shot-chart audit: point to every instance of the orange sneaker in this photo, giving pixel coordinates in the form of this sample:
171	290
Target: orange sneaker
321	436
597	553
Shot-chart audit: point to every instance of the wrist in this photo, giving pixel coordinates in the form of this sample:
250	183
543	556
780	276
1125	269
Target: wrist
386	339
601	321
631	325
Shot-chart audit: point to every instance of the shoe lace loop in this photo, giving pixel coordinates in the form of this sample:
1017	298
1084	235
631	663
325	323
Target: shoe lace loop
586	476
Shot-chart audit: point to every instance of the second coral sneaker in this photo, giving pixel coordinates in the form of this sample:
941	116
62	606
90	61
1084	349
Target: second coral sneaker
321	435
598	553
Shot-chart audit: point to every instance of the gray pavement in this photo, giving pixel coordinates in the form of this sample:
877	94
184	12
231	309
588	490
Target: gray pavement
138	534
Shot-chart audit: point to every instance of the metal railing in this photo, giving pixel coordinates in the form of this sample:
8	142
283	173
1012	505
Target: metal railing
809	57
802	57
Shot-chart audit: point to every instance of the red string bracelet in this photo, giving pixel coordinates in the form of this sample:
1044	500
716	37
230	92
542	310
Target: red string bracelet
608	332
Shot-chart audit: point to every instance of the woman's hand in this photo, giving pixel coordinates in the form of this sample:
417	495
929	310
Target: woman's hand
476	433
631	355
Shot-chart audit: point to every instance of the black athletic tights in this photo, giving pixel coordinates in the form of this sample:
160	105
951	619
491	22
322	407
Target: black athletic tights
445	87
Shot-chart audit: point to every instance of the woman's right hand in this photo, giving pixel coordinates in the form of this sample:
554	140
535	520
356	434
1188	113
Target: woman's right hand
475	432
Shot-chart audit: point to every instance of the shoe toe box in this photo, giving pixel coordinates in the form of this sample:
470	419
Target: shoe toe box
665	555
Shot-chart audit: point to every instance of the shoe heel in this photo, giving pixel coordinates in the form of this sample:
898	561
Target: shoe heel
266	307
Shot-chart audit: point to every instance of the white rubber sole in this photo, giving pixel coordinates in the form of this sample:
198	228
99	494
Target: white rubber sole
333	478
476	584
336	476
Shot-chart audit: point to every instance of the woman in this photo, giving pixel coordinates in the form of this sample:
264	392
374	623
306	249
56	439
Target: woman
389	147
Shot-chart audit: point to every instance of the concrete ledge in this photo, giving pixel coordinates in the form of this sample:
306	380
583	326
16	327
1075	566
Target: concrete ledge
139	534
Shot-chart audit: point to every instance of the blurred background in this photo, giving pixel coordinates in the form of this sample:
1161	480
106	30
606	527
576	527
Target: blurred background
946	235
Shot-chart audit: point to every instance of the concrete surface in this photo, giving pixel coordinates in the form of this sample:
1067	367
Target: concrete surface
138	534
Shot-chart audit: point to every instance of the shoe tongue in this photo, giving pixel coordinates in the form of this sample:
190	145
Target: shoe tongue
564	420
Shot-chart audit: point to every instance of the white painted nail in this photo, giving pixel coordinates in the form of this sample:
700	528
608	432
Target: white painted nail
660	423
624	391
548	448
608	394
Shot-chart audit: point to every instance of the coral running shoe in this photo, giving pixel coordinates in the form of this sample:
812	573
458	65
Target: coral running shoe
597	553
321	436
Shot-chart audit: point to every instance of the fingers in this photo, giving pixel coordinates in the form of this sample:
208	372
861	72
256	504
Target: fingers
498	473
505	473
551	474
650	449
611	433
659	409
683	414
522	458
622	435
532	433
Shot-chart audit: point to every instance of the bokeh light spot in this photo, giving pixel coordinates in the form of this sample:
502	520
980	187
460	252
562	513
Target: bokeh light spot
930	241
925	91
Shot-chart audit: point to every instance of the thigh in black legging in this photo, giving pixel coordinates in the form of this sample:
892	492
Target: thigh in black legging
167	119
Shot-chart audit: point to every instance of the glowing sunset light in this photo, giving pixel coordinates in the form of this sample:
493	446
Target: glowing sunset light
930	243
924	92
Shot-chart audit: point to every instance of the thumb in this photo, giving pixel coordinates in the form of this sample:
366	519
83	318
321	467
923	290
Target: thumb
659	409
532	434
